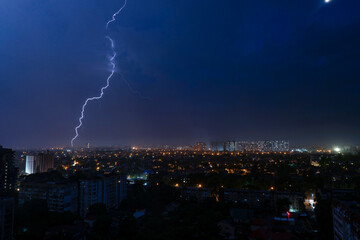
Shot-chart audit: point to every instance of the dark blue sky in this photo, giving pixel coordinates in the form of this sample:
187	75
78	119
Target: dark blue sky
207	70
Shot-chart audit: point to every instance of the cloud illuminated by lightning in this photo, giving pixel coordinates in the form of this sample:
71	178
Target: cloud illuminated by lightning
113	66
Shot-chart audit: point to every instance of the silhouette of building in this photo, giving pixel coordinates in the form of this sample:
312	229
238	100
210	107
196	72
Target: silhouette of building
195	193
76	196
6	218
109	189
59	193
8	172
89	193
256	198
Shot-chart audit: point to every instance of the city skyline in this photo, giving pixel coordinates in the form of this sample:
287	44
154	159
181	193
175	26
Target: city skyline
189	145
168	119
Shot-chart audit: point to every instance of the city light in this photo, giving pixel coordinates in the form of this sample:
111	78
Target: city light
337	149
176	165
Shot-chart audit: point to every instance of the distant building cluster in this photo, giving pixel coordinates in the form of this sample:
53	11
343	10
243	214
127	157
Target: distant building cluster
199	146
251	146
39	163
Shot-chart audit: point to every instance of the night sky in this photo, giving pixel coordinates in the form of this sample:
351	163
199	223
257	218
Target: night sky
199	70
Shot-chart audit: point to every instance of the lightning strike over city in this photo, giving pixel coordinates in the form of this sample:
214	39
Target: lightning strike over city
240	119
113	66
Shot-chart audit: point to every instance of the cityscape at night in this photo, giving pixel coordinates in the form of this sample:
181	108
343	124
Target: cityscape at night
165	119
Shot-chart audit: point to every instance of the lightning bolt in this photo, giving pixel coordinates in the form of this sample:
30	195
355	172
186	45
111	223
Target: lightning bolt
113	66
115	14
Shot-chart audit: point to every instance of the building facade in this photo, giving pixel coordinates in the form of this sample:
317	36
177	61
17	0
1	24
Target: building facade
90	190
8	172
346	220
109	189
30	164
6	218
39	163
59	194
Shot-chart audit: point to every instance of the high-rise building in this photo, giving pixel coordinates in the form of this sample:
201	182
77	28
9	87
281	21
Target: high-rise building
30	164
90	190
109	189
114	190
6	218
346	215
231	146
8	172
39	163
276	146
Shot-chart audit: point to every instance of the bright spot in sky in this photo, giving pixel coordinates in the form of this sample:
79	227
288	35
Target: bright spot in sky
327	1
